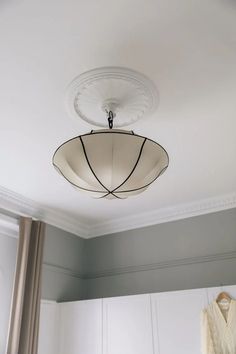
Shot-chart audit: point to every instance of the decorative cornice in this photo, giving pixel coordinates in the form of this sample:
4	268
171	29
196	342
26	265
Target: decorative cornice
65	222
140	268
19	205
164	215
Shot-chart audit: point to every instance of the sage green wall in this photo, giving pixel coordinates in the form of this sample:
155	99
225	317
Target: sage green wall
190	253
63	266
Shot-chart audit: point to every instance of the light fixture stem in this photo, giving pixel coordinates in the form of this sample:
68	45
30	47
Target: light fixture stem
110	119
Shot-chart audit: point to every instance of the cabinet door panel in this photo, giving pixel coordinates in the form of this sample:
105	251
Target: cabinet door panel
176	317
48	328
81	327
127	325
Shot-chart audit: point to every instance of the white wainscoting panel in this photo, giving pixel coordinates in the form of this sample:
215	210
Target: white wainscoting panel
127	327
81	327
176	321
49	328
163	323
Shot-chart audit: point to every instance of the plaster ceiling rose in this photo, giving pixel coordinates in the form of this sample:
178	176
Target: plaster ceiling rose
130	95
111	163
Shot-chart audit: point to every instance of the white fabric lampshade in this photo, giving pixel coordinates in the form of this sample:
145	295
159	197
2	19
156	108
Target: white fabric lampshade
111	163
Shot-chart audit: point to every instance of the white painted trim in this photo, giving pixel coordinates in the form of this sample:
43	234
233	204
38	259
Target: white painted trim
48	302
164	215
20	205
65	222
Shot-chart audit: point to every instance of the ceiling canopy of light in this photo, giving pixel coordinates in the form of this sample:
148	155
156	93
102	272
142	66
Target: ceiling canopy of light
111	163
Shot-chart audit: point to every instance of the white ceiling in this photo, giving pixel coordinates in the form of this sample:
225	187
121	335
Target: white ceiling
188	48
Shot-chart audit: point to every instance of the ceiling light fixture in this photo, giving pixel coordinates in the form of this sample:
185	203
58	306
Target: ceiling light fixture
111	163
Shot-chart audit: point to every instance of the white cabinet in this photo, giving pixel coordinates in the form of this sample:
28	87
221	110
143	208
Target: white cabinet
127	327
164	323
81	327
48	328
176	321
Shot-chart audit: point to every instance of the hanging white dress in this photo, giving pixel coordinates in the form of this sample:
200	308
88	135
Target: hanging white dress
219	328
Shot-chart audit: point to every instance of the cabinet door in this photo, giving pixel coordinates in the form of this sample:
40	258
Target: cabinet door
127	325
176	321
48	328
81	327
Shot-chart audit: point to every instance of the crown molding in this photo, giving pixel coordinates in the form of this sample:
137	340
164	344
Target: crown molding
18	205
178	212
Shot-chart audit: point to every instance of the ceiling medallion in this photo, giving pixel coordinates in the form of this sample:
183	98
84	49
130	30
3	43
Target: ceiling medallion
111	163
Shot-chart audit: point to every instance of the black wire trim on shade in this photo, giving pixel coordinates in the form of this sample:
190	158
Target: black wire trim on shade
113	192
130	174
88	162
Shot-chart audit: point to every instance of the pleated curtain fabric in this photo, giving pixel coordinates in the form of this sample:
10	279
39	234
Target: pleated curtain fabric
25	311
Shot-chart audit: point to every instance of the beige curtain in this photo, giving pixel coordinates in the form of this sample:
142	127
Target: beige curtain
24	321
